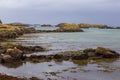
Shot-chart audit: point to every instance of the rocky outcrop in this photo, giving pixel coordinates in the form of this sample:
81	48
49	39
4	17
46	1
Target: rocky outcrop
66	27
19	24
46	25
7	31
98	53
86	25
16	52
91	54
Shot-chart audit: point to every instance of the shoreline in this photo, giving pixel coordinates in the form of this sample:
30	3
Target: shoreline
58	56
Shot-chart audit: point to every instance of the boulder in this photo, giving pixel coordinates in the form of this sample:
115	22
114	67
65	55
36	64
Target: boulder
106	53
15	53
66	27
6	58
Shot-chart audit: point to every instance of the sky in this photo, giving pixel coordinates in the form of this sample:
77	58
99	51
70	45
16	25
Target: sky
58	11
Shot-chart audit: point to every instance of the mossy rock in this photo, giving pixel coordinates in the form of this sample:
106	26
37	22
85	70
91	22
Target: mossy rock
69	27
106	52
15	53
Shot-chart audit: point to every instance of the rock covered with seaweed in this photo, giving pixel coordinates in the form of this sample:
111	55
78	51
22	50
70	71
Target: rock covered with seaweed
69	27
16	52
89	53
8	31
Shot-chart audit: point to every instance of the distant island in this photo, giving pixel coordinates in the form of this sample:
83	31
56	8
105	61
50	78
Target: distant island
81	25
87	25
46	25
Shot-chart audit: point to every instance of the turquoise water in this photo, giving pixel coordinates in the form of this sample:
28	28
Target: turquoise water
69	70
91	38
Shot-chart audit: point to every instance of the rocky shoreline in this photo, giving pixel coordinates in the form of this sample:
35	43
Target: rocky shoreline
11	32
16	52
92	54
10	53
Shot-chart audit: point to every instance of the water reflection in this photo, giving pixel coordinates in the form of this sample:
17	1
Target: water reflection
12	65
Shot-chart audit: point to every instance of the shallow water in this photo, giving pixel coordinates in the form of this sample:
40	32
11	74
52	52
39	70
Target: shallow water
91	38
69	70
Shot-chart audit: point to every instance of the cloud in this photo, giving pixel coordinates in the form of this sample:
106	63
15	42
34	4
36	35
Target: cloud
54	11
58	3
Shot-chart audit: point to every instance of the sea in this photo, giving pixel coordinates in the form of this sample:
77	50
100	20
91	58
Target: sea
108	69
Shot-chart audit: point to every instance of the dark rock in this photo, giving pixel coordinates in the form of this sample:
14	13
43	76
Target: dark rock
42	57
0	22
15	53
46	25
49	57
80	57
90	52
106	53
58	56
6	58
66	56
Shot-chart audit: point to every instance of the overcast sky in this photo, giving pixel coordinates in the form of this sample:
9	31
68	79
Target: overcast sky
57	11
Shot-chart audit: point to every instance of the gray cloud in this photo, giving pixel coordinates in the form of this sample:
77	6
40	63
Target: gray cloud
56	11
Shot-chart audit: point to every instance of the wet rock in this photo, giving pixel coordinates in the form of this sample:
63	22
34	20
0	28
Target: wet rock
15	53
66	57
29	49
2	49
33	56
39	57
90	52
6	58
106	53
58	56
80	56
46	25
42	57
49	57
